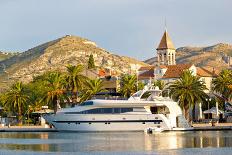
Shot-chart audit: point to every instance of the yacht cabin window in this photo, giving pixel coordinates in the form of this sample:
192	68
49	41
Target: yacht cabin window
103	111
137	94
86	103
145	95
160	110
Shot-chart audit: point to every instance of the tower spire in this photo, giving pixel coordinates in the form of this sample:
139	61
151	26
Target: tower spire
166	50
166	42
165	24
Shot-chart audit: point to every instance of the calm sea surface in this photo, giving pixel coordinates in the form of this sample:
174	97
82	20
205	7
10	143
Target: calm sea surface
199	142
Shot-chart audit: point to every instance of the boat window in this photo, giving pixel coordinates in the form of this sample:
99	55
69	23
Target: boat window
103	111
86	103
137	94
160	110
139	110
146	95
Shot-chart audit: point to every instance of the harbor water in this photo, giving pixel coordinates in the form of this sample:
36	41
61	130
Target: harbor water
188	142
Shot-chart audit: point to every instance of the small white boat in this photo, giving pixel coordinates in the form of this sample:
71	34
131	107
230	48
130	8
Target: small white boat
151	130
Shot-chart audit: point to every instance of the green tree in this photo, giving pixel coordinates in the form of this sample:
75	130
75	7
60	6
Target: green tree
188	90
37	90
222	84
75	79
55	86
159	83
16	100
140	85
128	85
91	64
92	87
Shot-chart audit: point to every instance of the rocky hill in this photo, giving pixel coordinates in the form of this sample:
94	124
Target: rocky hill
56	54
218	56
6	55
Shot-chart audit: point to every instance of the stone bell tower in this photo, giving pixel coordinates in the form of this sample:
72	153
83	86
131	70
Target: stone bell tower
166	52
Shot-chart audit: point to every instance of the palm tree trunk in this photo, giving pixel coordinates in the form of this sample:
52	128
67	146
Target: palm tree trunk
74	97
186	112
193	113
55	104
20	116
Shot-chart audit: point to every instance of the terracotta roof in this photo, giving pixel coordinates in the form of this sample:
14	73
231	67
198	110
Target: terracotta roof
147	74
163	66
101	72
165	42
174	71
206	72
230	86
106	72
146	68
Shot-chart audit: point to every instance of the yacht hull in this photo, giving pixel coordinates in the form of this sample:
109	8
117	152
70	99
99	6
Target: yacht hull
107	122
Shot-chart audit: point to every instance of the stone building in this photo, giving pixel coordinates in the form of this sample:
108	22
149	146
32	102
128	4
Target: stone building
166	52
166	69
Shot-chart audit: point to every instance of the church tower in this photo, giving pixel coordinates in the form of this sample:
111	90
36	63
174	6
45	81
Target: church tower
166	52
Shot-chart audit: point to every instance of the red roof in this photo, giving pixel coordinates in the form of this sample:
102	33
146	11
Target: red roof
143	68
165	42
147	74
174	71
101	72
207	72
163	66
230	86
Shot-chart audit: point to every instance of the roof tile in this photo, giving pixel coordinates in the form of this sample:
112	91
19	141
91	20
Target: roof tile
174	71
166	42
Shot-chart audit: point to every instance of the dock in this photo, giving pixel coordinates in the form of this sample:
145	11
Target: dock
209	126
195	127
26	129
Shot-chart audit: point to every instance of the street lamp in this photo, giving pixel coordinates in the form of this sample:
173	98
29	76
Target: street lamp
137	76
29	107
208	100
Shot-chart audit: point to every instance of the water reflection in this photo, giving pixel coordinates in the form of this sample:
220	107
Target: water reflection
114	141
199	139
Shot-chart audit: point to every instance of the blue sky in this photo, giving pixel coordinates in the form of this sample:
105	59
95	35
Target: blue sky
125	27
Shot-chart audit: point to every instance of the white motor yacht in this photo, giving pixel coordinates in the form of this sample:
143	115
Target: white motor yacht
145	109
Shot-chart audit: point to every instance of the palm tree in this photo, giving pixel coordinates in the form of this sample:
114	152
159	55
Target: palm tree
75	79
188	90
16	100
159	84
129	85
55	85
92	87
222	84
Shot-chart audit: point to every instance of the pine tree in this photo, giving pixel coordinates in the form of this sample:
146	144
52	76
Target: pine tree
91	64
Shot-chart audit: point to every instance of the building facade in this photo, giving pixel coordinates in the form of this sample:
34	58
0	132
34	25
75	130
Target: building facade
166	52
166	69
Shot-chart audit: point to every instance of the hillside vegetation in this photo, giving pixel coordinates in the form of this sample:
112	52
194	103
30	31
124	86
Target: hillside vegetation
56	54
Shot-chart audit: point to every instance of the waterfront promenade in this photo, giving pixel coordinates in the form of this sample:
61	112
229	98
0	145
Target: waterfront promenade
26	129
197	127
208	126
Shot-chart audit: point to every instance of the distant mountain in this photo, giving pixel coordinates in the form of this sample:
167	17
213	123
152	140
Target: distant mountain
56	54
218	56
